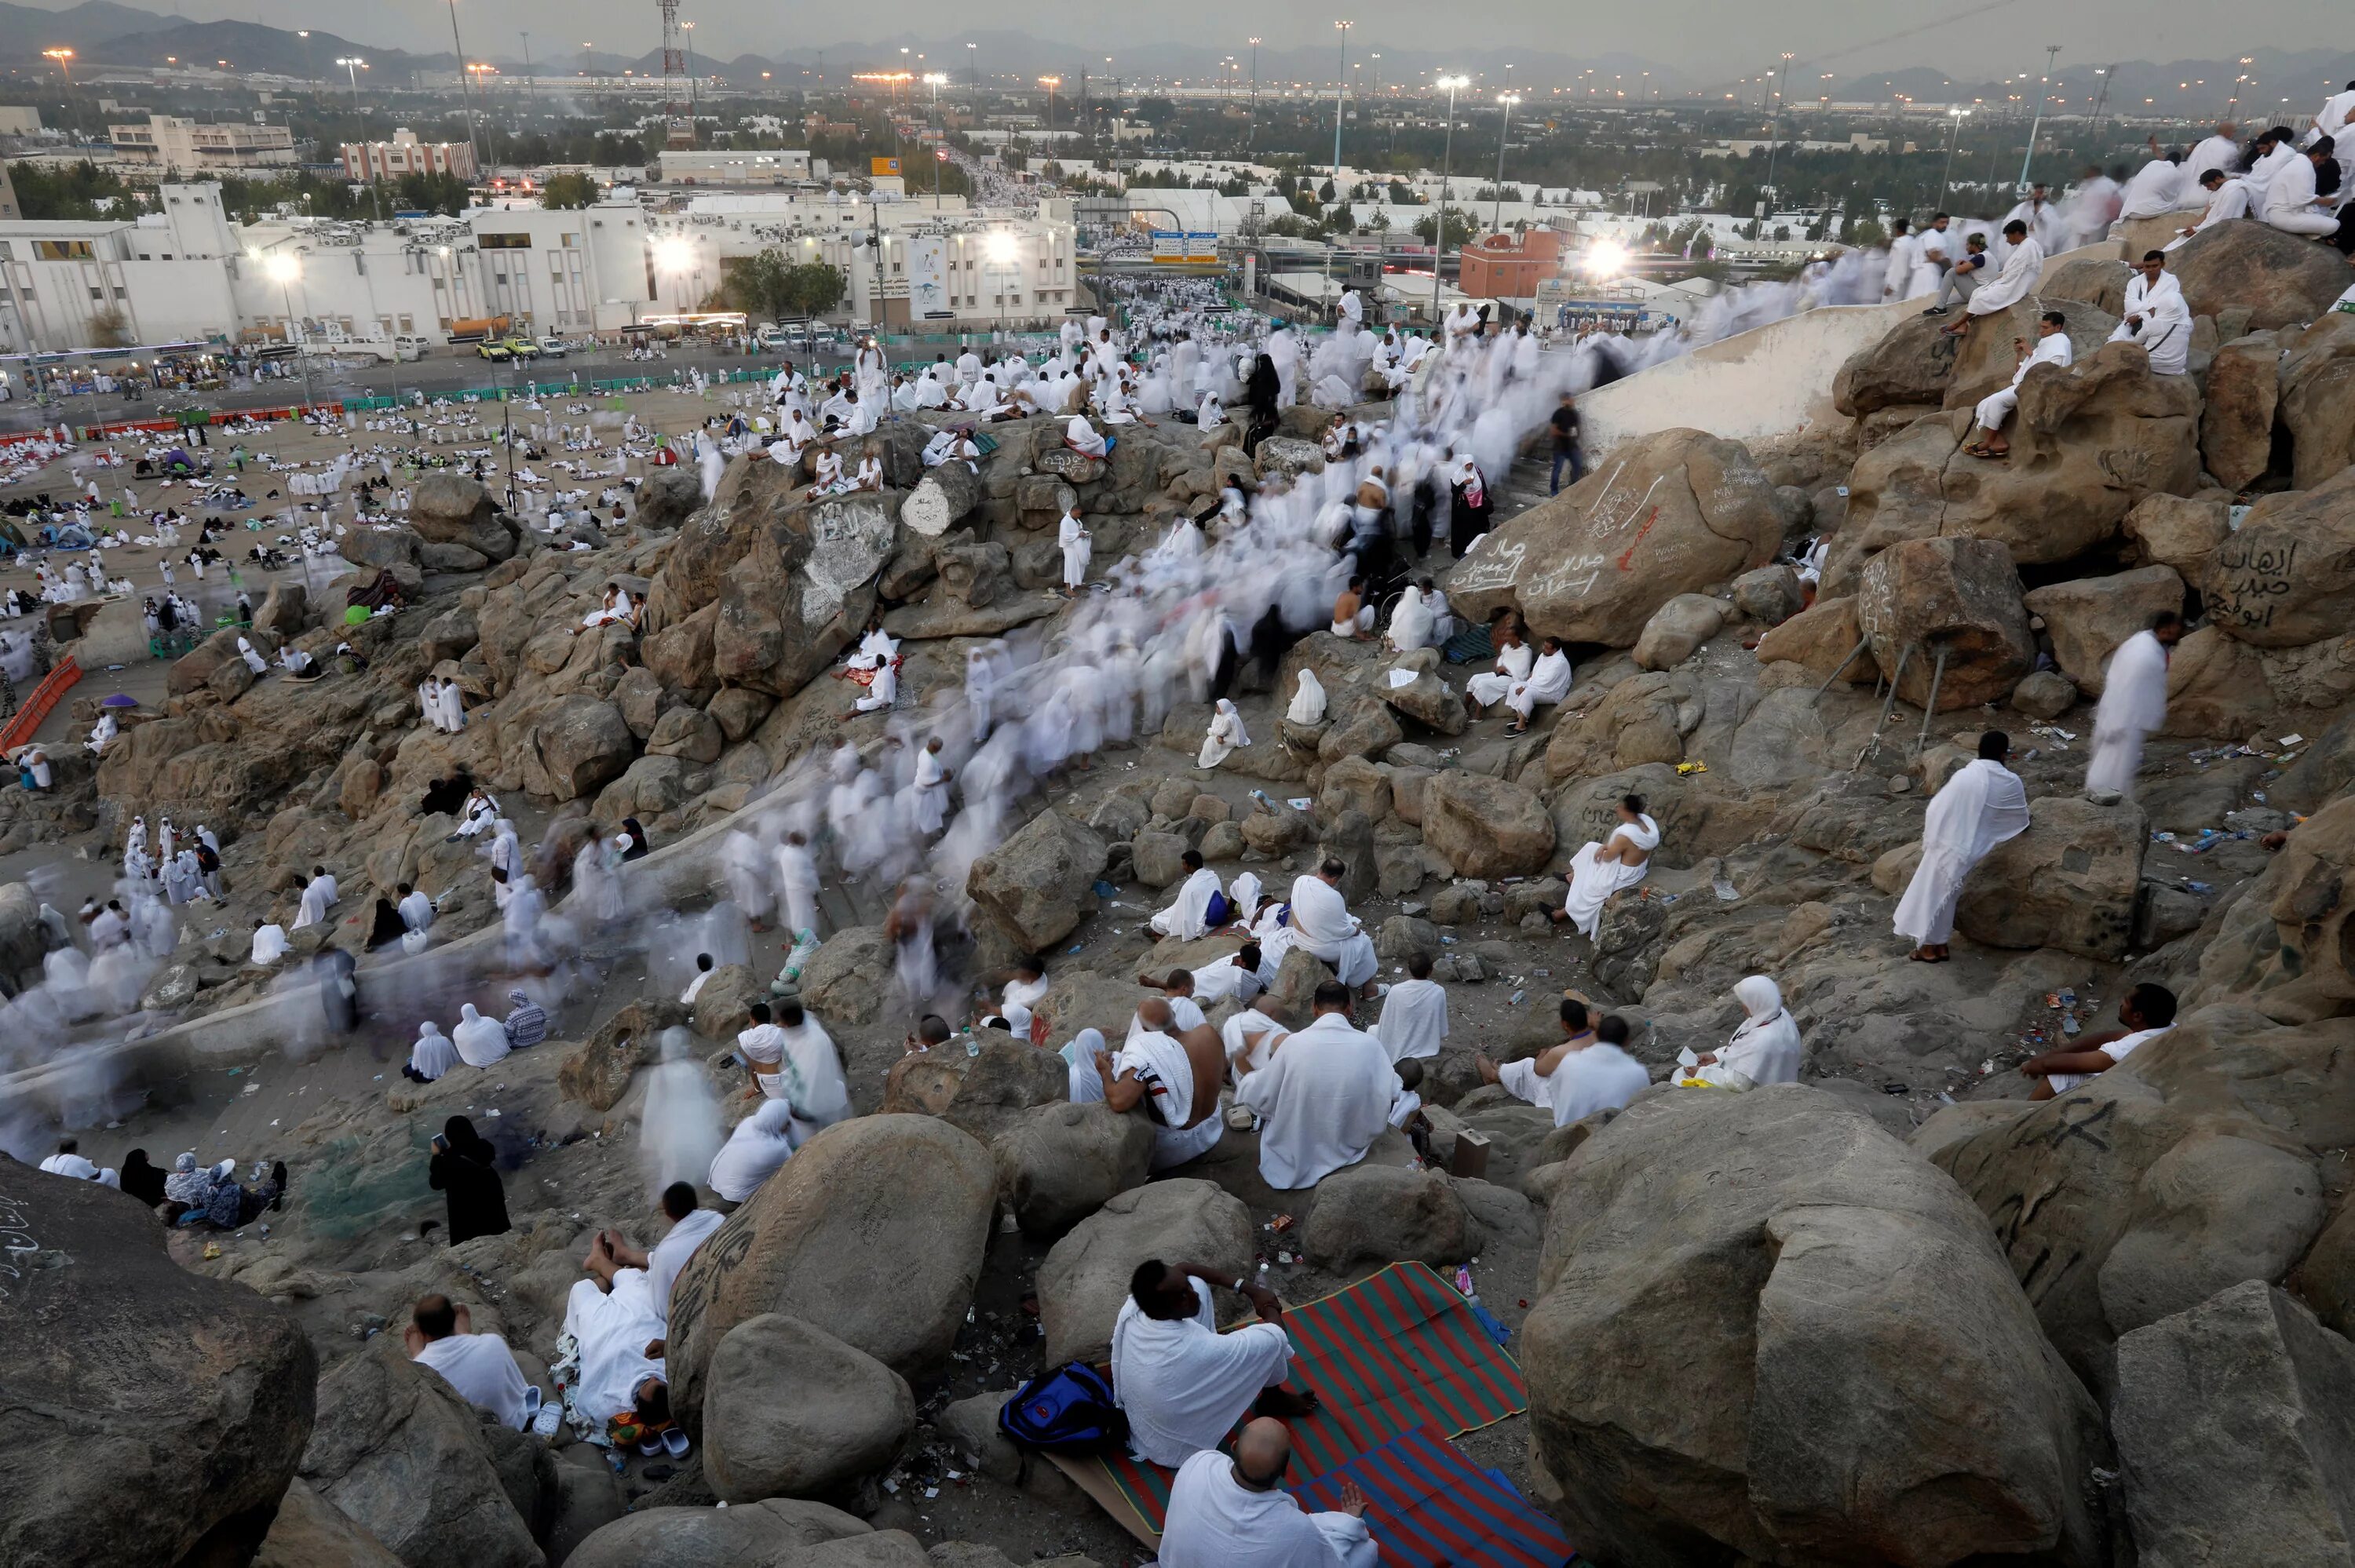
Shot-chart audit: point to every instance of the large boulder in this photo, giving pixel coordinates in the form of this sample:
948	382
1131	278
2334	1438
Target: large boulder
2182	531
1959	596
2236	426
2182	1170
873	1232
1677	631
448	508
668	497
163	1404
2236	1427
1486	827
1060	1163
2089	616
803	591
400	1453
2070	881
1085	1277
2280	279
775	1531
2287	575
2317	399
2287	943
309	1533
793	1412
1672	512
1766	1331
568	747
598	1074
1907	368
1040	883
844	982
1383	1213
1819	638
2087	443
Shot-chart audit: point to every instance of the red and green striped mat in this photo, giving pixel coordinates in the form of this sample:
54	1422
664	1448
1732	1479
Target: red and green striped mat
1393	1353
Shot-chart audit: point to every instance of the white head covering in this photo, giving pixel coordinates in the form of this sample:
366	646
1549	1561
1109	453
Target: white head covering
433	1055
1766	1048
1307	700
1227	710
1085	1050
759	1144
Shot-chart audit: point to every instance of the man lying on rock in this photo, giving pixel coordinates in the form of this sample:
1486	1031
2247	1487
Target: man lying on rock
1182	1383
2148	1013
623	1389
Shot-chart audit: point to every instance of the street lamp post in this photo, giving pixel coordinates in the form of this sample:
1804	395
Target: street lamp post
1496	216
1340	89
1251	136
1775	124
1446	174
283	271
2029	157
353	65
473	141
937	80
65	67
1050	83
1955	118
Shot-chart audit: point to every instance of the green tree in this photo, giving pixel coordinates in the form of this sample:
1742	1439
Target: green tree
1459	227
569	190
1865	234
67	190
813	288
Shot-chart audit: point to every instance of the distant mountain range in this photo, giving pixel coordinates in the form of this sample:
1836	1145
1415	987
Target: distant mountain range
104	32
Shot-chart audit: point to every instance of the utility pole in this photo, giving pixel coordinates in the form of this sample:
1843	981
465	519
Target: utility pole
1339	87
1954	129
2029	157
1497	215
530	88
1774	125
465	93
1447	173
1251	136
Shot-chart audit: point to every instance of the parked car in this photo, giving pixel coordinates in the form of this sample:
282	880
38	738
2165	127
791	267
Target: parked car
554	347
497	349
523	348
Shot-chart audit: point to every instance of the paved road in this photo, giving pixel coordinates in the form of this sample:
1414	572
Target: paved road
442	371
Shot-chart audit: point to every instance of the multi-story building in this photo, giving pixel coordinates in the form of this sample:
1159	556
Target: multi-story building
182	146
405	155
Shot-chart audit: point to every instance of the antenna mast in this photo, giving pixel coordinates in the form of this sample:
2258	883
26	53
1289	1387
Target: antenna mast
677	111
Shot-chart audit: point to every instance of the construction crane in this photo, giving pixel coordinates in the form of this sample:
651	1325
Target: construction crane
678	110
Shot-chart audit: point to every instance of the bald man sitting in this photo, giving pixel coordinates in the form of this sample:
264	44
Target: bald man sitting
1175	1072
1234	1513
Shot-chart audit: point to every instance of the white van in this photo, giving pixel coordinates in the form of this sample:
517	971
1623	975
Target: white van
408	345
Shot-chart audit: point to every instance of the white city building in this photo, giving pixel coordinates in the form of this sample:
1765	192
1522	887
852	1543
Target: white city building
188	272
405	155
182	146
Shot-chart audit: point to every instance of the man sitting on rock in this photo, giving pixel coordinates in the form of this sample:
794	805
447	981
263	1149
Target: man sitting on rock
1583	1075
1981	806
1323	1098
1234	1513
1174	1072
690	1227
479	1366
2053	347
612	1318
1083	437
1414	1014
2147	1013
1202	904
1181	1381
1321	917
1177	989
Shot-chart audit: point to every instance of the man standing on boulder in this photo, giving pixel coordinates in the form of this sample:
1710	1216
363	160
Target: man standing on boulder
2134	703
1980	807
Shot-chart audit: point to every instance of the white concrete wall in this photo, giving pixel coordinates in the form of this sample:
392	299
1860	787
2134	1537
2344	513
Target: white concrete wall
1771	381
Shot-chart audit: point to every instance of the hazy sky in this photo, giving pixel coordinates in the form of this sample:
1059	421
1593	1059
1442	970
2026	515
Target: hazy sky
1706	37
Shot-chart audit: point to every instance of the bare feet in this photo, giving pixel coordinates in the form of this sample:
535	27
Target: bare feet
1489	1074
1283	1402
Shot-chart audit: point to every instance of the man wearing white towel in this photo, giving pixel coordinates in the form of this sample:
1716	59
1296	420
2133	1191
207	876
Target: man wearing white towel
1320	913
1234	1513
1414	1014
1983	805
1182	1383
1323	1098
479	1366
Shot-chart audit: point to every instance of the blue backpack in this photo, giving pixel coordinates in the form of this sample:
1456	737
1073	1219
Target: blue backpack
1069	1407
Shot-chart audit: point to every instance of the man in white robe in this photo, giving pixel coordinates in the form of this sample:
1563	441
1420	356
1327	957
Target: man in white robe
2146	1014
1582	1074
1414	1014
690	1227
2022	266
269	941
2157	189
1904	255
1182	1383
2290	202
797	882
932	788
2157	316
1234	1513
1548	681
2134	703
2228	199
1320	913
1323	1098
415	909
612	1316
1083	437
1075	541
2220	151
481	1042
479	1366
1599	870
1980	807
1514	661
2053	347
1188	916
809	1072
1174	1078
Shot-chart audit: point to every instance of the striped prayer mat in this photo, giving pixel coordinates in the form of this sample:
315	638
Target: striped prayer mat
1427	1506
1396	1352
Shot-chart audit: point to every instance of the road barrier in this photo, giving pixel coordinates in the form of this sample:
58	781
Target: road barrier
36	707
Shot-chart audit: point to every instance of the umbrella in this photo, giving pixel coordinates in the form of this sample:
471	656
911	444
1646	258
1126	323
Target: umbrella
119	700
